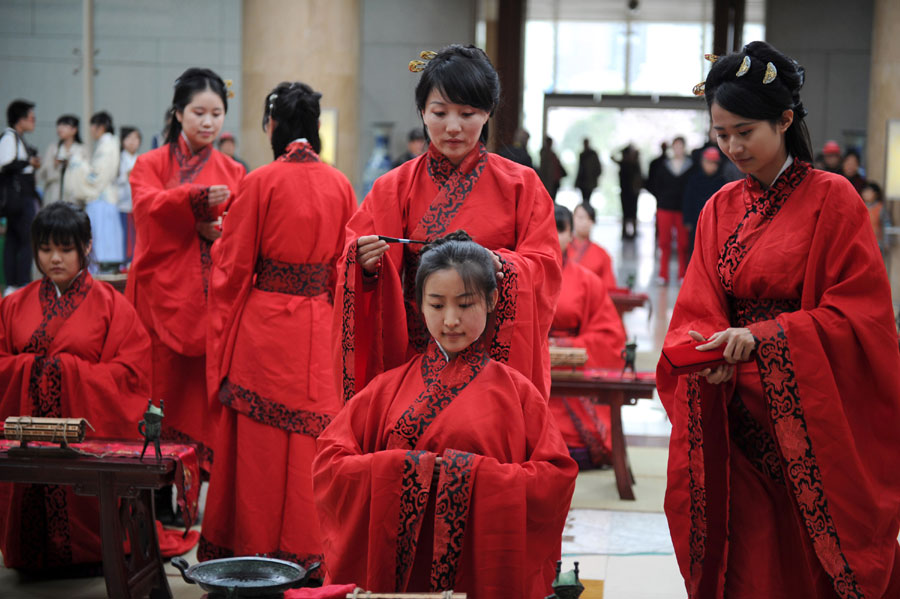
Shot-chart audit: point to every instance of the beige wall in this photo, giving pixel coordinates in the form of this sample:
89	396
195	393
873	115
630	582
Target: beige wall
884	93
314	41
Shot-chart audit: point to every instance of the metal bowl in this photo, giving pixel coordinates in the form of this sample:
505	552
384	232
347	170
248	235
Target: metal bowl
245	576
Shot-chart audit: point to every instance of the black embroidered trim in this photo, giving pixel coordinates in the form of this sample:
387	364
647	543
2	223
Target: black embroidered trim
190	166
594	443
438	394
764	210
414	490
696	477
753	440
505	312
348	329
451	513
746	311
199	200
294	278
272	413
777	372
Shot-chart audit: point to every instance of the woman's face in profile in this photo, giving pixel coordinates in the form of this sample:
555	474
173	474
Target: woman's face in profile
454	129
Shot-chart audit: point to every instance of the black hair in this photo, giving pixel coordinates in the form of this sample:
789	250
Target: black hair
191	82
17	110
457	251
564	218
103	119
463	75
72	121
749	97
592	214
874	187
681	139
64	224
126	131
852	152
294	107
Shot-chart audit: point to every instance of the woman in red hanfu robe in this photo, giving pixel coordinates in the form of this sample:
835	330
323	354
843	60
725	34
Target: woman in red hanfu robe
585	317
178	191
270	306
585	252
70	347
448	471
782	478
456	184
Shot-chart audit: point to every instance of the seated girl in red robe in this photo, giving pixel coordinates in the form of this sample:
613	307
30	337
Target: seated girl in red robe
270	305
587	318
70	347
447	472
585	252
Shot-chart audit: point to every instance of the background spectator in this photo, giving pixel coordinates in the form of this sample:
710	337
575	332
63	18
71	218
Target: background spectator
228	146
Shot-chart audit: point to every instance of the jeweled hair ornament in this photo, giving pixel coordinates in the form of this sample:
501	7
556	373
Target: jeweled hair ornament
744	68
228	92
272	98
417	66
700	88
771	73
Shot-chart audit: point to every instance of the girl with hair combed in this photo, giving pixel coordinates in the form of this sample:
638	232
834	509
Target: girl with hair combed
269	359
178	192
446	472
70	347
782	462
455	184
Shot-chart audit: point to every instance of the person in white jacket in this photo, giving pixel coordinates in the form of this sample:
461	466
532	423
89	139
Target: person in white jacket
51	177
94	183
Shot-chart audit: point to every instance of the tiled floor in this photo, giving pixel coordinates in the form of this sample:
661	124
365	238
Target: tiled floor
629	551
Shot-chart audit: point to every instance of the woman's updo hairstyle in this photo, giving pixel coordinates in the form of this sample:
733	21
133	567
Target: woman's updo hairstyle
463	75
189	84
294	107
474	264
749	97
63	224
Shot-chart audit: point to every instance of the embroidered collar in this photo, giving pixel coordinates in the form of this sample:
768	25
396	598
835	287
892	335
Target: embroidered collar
72	282
435	359
754	182
299	150
440	168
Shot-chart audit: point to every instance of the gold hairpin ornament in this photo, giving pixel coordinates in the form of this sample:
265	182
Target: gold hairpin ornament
711	57
417	66
771	73
700	89
744	68
228	92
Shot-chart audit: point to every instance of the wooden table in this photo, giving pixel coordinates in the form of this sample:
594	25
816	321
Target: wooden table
626	301
117	280
608	387
111	479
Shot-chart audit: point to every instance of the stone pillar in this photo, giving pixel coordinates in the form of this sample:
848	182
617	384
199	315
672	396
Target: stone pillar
316	42
884	104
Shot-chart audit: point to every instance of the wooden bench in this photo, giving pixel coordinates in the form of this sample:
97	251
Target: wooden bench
611	388
125	486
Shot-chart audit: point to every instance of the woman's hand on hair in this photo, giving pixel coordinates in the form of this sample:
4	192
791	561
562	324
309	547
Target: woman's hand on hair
209	230
498	266
369	250
218	194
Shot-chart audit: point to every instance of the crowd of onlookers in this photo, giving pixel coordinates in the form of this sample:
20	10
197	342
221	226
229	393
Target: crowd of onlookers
67	172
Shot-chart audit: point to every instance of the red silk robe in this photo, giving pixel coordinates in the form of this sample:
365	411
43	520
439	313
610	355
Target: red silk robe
84	354
505	208
594	258
586	317
270	307
488	520
169	277
783	482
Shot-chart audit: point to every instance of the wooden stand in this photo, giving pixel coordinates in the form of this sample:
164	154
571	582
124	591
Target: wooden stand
614	392
111	479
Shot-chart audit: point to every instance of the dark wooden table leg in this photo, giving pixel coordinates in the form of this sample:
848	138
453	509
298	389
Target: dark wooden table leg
111	534
621	464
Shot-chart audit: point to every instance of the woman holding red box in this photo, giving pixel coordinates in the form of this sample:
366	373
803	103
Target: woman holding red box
782	466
